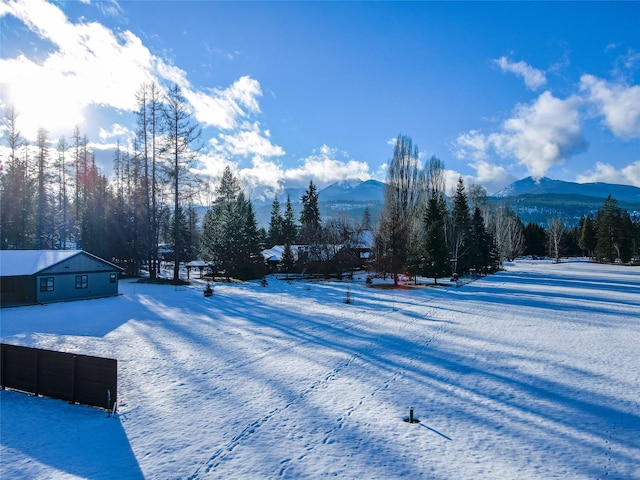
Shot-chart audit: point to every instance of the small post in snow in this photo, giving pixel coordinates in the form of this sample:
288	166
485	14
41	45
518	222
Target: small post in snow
411	418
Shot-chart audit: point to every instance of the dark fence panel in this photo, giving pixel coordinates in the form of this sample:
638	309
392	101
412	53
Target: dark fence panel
67	376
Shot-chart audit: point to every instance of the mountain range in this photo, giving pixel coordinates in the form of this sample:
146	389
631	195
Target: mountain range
349	198
533	200
543	186
537	201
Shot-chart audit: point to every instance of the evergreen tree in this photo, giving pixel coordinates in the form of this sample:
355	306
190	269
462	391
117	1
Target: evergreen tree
17	190
310	223
626	237
289	227
588	235
535	238
288	262
460	229
480	245
275	235
436	262
608	230
250	261
94	233
230	238
366	219
229	187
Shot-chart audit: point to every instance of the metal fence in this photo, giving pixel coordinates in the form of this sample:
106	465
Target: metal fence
76	378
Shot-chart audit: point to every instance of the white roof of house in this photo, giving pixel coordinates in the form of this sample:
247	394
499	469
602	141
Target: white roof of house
14	263
197	263
274	254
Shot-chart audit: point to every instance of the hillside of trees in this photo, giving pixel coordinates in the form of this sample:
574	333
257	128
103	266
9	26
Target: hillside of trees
53	196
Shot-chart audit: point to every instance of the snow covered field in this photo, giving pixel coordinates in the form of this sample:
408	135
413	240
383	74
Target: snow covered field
531	373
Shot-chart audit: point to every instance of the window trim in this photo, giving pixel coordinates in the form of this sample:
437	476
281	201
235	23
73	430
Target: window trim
47	284
82	282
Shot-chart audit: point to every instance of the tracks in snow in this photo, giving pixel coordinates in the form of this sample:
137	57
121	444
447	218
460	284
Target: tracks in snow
219	456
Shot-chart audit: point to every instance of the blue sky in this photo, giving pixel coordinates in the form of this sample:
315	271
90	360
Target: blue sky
292	91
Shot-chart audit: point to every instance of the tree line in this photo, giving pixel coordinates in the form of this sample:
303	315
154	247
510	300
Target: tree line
611	235
57	197
423	233
53	196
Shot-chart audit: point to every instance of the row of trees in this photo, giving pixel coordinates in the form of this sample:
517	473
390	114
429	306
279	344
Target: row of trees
60	199
611	235
54	196
418	234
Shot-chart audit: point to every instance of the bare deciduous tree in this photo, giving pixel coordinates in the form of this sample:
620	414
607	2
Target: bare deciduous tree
557	230
182	135
403	200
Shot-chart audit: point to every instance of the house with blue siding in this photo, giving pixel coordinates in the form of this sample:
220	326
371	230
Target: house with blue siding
30	277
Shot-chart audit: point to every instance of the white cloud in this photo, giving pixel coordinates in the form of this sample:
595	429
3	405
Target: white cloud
533	78
490	176
116	131
618	103
542	134
607	173
264	179
246	143
223	108
538	136
267	177
474	145
110	8
246	140
90	65
326	166
93	65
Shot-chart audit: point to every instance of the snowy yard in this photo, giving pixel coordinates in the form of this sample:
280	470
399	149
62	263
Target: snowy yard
531	373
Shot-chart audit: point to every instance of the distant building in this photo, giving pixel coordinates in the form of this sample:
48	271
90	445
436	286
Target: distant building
43	276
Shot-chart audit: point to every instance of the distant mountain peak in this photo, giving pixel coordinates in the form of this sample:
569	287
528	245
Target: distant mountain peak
545	185
346	184
353	190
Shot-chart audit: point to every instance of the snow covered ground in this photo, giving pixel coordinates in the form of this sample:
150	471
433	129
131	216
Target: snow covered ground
531	373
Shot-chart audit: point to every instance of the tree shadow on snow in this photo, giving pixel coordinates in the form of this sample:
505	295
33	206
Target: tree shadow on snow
67	439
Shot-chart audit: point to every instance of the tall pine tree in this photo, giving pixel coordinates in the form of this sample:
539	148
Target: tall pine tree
460	230
275	234
436	263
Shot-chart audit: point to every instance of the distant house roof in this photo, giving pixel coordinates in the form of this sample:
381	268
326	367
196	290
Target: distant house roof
274	254
196	263
15	263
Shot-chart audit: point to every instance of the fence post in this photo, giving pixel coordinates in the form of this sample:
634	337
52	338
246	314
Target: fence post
73	379
36	377
2	364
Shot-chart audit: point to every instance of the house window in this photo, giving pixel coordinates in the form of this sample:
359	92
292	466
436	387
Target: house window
113	277
46	284
82	281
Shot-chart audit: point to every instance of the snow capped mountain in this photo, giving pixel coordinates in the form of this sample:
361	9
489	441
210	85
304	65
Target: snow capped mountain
538	201
353	191
350	196
530	186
